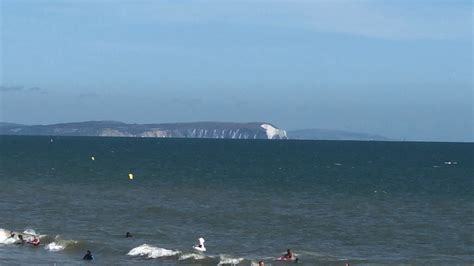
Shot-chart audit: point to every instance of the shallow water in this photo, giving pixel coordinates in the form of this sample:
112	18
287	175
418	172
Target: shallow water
330	202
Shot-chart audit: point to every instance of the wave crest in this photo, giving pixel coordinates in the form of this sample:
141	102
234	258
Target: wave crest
227	260
60	244
5	237
152	252
192	256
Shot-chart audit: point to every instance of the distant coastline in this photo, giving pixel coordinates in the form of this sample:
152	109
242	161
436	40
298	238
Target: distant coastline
214	130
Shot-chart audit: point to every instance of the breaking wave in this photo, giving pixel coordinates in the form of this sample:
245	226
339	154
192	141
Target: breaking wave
228	260
51	244
152	252
191	256
28	234
60	244
5	237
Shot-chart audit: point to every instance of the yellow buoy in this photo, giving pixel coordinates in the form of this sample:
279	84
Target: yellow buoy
130	176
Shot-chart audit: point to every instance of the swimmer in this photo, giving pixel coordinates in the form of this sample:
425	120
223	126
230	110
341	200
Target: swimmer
128	234
35	242
12	236
88	256
289	255
21	240
261	263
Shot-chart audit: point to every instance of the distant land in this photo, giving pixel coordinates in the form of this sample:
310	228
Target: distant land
254	130
216	130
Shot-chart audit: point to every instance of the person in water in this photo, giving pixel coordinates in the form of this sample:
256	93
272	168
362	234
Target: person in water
261	263
34	242
88	256
21	240
12	236
128	234
289	255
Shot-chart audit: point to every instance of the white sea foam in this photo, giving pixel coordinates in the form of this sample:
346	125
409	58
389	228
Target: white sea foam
30	232
59	244
193	256
5	237
152	252
53	246
450	162
227	260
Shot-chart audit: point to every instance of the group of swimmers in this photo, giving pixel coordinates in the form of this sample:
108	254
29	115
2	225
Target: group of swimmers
288	256
34	241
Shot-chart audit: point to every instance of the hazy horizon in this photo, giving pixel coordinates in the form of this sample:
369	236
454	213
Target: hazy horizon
398	69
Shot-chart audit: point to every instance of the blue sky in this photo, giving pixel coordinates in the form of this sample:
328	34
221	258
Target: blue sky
402	69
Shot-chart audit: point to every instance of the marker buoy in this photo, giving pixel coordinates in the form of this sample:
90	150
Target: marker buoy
130	176
93	158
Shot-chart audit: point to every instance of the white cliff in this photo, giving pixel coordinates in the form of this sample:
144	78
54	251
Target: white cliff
274	133
215	130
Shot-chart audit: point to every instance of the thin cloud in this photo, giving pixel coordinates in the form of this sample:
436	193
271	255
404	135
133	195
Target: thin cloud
23	89
11	88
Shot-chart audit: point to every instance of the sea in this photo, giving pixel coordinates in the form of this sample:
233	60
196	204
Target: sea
330	202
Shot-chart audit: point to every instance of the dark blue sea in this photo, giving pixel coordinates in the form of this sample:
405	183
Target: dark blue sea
330	202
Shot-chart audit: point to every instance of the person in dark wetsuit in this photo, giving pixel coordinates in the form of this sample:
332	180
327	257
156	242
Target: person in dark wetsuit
88	256
288	255
128	235
22	241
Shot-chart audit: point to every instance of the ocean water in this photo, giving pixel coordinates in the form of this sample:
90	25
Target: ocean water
330	202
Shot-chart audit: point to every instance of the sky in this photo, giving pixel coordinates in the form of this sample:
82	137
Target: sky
402	69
